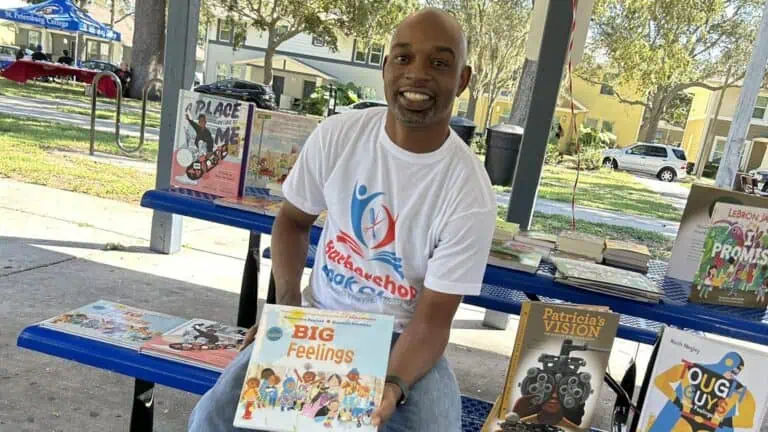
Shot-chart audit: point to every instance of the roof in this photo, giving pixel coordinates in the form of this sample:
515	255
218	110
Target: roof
669	126
290	64
564	103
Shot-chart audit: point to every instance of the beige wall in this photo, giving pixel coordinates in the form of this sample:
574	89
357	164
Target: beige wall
692	138
7	34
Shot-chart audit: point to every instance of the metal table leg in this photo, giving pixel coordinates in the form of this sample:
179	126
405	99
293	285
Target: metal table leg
249	290
143	406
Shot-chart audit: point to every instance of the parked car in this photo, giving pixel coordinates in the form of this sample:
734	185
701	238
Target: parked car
100	66
260	94
7	55
665	162
363	104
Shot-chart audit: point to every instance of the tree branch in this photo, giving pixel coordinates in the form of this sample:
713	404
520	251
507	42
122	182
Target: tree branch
680	87
621	99
117	21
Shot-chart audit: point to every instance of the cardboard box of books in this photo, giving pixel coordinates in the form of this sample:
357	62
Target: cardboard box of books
700	384
734	265
557	367
315	370
689	244
276	139
210	143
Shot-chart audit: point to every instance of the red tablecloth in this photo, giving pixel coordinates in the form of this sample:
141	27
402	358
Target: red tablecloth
23	70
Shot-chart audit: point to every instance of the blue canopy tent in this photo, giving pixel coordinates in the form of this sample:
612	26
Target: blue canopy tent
61	15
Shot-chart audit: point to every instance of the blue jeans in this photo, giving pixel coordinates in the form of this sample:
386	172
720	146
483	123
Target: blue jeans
434	403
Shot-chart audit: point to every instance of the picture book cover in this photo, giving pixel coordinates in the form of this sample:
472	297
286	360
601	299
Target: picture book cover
702	384
603	275
557	366
210	143
734	264
114	323
275	143
315	370
689	244
515	255
201	342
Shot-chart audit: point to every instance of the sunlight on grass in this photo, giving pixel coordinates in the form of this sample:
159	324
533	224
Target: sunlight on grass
688	182
56	91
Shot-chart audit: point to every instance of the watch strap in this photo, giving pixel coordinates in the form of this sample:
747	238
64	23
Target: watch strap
394	379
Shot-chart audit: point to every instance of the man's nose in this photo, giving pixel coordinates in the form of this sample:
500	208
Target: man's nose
419	70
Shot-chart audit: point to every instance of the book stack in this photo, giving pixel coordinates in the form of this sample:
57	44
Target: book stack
541	242
581	244
606	280
627	255
514	255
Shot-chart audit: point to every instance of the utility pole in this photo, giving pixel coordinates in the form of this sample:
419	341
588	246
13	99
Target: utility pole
747	98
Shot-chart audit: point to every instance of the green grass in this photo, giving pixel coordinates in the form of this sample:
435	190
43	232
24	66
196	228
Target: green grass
27	147
607	190
690	180
659	245
126	117
58	91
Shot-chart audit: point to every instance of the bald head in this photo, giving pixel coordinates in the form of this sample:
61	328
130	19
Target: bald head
440	20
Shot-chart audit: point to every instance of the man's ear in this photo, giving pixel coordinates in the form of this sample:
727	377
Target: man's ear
384	64
466	74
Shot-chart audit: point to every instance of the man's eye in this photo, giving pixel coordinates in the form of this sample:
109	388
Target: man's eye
401	59
439	63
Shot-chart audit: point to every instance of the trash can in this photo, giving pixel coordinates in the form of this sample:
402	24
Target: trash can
502	143
465	128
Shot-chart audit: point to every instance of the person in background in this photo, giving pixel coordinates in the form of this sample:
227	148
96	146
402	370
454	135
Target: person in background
125	77
20	54
38	55
66	59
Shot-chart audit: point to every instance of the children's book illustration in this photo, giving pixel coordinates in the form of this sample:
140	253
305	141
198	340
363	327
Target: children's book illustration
314	370
704	385
200	342
114	323
734	266
210	143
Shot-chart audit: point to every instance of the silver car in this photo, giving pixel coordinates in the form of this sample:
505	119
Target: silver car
665	162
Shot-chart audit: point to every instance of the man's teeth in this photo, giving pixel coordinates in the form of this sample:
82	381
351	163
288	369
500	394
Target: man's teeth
416	97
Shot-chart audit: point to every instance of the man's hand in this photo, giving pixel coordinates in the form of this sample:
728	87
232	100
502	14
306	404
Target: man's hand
388	405
249	337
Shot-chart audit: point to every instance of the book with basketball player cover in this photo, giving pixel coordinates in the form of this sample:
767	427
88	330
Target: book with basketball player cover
315	370
276	140
210	143
113	323
208	344
703	384
557	366
734	265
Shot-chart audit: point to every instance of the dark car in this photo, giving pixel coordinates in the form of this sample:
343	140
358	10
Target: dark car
100	66
260	94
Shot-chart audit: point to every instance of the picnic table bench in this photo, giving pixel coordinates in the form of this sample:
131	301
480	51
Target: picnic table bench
504	290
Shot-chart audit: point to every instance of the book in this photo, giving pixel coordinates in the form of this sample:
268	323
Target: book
548	241
606	280
113	323
689	244
315	370
734	265
704	385
557	366
577	243
276	140
208	344
627	255
514	255
210	143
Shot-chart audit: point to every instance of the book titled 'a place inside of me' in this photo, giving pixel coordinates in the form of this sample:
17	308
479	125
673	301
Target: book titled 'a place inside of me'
315	370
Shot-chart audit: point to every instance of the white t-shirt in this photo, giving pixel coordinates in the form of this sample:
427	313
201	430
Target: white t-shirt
396	221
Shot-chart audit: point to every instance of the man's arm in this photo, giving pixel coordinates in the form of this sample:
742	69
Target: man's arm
290	243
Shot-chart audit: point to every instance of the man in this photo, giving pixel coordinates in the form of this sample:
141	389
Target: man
126	77
408	204
38	55
66	59
203	134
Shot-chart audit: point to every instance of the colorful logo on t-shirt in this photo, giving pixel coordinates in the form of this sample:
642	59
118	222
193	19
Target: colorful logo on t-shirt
373	226
373	232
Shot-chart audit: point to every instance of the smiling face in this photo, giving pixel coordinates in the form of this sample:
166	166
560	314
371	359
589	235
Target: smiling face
425	69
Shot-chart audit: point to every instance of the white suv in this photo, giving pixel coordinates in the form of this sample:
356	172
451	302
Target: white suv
665	162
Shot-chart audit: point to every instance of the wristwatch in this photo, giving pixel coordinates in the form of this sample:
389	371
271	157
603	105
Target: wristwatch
394	379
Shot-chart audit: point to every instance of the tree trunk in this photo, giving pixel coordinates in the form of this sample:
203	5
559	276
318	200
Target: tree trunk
522	102
148	44
472	105
654	117
268	56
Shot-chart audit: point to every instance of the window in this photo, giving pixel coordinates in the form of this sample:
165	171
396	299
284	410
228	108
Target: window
719	148
760	106
641	150
33	39
225	31
462	107
680	154
97	50
237	71
377	53
656	151
222	71
591	123
607	90
607	126
316	41
360	54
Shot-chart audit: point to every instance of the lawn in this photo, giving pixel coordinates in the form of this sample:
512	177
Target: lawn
604	189
690	180
56	91
51	154
126	117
